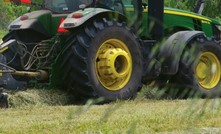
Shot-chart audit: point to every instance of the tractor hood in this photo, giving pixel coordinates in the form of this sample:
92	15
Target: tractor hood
216	25
179	12
185	20
174	11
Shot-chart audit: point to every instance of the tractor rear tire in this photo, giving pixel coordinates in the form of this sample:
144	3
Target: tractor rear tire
200	69
103	59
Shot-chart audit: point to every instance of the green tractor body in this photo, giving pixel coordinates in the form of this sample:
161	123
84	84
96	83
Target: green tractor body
41	21
179	20
101	49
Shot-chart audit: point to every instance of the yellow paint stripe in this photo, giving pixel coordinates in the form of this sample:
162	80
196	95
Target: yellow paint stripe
3	49
186	14
178	13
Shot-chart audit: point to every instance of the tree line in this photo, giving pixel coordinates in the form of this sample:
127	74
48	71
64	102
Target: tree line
211	8
9	12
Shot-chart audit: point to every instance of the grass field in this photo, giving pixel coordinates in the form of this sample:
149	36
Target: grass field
45	111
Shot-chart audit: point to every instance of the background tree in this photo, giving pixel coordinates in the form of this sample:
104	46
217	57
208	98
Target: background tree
9	12
6	14
211	8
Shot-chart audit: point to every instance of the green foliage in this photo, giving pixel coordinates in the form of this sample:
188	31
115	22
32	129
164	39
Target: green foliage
2	33
211	8
8	12
176	4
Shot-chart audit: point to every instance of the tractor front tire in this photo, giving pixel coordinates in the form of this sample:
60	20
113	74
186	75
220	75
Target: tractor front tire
103	59
200	69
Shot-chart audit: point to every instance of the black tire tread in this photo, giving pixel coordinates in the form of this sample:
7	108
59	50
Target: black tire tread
73	59
184	81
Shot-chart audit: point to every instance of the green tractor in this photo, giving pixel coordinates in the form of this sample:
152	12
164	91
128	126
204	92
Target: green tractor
110	48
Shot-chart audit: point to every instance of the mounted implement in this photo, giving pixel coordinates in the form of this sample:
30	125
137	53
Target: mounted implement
111	48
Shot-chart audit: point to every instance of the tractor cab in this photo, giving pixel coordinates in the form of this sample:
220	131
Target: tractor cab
56	6
66	6
116	5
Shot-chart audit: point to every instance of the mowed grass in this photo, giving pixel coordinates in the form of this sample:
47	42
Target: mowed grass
37	114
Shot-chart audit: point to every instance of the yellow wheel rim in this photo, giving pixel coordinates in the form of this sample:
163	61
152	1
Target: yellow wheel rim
113	64
208	70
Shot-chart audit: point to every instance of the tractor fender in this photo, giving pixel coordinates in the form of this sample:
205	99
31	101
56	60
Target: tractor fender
78	18
33	21
170	52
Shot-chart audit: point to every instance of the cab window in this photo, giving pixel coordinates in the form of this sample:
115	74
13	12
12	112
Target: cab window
62	6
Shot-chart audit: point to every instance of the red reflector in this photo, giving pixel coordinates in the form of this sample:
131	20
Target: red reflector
26	1
61	29
24	17
77	15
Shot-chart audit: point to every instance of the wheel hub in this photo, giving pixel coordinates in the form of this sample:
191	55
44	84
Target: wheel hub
113	64
203	68
208	70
